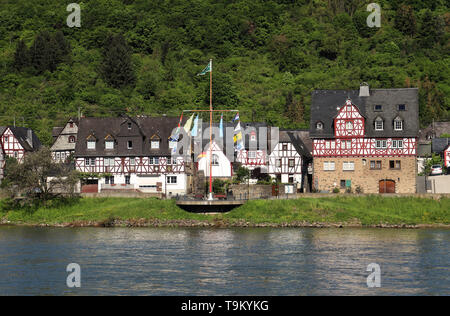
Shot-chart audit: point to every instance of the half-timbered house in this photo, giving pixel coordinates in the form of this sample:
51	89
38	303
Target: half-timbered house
64	141
289	160
129	154
254	155
365	140
17	141
441	146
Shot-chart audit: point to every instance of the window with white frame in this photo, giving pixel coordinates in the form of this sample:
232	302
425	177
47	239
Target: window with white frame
132	161
172	180
252	154
58	156
380	144
109	144
278	163
109	162
348	166
379	124
89	162
155	144
215	160
329	166
91	144
398	124
349	125
397	144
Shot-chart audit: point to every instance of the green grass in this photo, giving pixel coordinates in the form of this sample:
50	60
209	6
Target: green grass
367	210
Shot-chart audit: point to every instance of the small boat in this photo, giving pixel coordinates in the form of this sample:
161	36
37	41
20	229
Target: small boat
209	206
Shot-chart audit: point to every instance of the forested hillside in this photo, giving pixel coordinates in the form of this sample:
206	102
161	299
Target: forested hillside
142	57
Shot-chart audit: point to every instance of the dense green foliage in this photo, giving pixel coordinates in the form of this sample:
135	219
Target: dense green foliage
361	210
268	56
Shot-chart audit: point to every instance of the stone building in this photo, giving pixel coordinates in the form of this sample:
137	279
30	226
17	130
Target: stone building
366	140
64	141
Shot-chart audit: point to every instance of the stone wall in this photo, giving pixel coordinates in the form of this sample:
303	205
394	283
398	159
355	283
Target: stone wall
368	179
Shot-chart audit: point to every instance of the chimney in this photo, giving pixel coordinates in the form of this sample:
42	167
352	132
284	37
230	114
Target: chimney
30	137
364	90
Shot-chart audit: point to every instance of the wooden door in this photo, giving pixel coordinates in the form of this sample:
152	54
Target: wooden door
387	186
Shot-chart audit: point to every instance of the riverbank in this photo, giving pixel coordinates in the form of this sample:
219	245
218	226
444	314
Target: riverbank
333	211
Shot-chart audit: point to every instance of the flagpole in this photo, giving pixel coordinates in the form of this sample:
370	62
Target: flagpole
210	131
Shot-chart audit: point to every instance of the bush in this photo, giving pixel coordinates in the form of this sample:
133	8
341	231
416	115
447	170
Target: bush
336	190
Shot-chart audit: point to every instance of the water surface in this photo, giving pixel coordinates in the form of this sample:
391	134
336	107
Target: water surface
197	261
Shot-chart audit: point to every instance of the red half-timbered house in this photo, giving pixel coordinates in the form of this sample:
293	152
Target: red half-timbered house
365	140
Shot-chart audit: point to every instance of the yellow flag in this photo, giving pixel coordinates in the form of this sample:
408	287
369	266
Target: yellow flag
187	126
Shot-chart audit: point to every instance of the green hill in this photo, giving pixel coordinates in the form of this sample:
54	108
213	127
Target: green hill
142	57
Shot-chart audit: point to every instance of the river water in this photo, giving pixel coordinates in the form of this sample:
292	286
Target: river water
197	261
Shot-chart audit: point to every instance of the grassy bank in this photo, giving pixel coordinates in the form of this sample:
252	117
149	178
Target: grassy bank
323	211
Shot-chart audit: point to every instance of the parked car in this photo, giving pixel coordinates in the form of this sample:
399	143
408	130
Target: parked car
436	169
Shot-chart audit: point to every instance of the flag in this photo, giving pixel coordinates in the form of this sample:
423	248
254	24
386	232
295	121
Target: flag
238	137
202	155
194	131
207	69
188	124
236	118
175	137
221	125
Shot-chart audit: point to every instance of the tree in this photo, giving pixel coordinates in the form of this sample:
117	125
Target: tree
405	20
38	177
21	57
117	68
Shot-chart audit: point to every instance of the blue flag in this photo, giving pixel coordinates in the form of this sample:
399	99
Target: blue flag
236	118
195	128
221	125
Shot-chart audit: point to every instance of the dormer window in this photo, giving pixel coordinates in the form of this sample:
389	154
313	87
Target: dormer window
109	144
155	144
91	144
129	125
401	107
398	124
379	124
319	126
130	144
378	108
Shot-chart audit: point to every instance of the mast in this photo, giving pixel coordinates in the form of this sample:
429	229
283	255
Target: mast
210	131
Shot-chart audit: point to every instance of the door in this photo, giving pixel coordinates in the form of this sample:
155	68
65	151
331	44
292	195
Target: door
387	186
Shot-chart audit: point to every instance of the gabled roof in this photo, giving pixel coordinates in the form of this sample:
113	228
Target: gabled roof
300	140
21	134
147	127
438	145
326	104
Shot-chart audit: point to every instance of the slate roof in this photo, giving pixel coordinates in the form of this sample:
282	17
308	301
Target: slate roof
438	145
142	131
325	103
21	134
433	130
300	139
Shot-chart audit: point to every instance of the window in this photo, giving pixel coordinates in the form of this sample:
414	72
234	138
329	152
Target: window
378	108
109	162
319	125
348	166
63	156
285	147
71	125
215	160
132	161
398	124
375	165
278	163
342	184
71	139
402	107
91	144
109	144
127	180
130	144
291	163
129	125
397	144
291	178
155	144
379	124
6	139
252	154
172	180
346	144
349	125
109	180
329	166
89	162
381	144
57	156
394	164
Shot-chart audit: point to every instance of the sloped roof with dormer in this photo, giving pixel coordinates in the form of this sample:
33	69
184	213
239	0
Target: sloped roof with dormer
326	104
